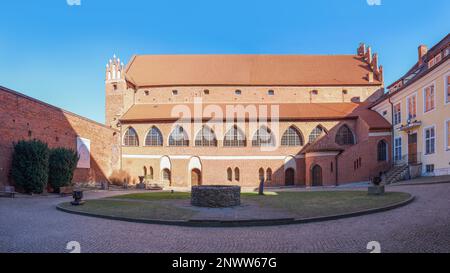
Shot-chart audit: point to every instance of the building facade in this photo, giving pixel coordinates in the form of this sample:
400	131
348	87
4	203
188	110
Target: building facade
238	119
418	106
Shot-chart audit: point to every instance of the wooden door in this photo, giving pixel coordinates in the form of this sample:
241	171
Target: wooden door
289	178
412	148
316	174
196	177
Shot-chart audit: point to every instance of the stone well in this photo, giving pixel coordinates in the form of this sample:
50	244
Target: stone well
216	196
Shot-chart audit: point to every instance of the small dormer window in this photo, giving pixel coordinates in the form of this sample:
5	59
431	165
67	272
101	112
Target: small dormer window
146	92
174	92
237	92
271	92
438	58
344	91
206	92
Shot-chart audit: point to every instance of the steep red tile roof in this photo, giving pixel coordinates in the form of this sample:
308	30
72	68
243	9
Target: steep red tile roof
275	70
374	120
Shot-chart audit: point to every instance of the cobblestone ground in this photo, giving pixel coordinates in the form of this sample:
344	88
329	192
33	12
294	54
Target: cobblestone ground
34	225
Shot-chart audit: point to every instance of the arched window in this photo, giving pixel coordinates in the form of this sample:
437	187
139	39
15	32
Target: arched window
269	175
229	174
261	174
154	137
292	137
206	137
145	171
151	172
263	137
236	174
382	150
344	136
178	137
130	138
234	138
315	133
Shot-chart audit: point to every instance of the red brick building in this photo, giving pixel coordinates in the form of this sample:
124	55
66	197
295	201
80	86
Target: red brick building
236	119
182	120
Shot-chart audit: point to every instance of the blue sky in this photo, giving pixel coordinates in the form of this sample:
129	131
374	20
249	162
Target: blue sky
57	53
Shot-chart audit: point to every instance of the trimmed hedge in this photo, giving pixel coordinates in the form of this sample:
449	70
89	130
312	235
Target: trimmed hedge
29	168
62	164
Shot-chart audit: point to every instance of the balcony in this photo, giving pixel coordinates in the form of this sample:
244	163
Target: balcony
411	124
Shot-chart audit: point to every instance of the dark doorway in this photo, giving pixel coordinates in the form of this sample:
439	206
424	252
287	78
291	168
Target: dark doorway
196	177
412	148
289	177
316	175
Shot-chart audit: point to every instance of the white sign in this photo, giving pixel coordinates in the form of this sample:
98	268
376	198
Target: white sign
84	151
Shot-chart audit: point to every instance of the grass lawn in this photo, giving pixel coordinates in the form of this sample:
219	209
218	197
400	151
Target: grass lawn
324	203
154	196
131	209
157	205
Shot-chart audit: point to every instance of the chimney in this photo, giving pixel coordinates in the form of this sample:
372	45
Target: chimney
422	52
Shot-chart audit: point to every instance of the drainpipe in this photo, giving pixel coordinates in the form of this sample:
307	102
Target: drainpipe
392	131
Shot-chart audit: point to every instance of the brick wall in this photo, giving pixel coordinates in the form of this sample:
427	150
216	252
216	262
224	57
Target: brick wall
22	117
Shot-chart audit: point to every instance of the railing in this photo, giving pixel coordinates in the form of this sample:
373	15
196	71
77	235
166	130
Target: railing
410	159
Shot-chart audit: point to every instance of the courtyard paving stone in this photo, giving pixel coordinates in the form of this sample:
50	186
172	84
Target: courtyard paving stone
34	225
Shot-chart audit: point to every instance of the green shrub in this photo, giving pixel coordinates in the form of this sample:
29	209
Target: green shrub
62	164
29	168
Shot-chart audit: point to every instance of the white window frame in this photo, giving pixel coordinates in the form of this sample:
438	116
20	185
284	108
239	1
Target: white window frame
425	98
446	143
446	99
425	140
395	148
400	114
407	104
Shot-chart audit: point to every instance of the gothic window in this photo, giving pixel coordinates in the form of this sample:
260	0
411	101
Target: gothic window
154	137
263	137
315	133
292	137
178	137
130	138
206	137
234	138
344	136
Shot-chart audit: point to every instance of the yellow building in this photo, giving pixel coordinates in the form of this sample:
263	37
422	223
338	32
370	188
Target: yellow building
418	107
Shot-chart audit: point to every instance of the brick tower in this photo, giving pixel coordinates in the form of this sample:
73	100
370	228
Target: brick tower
118	97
